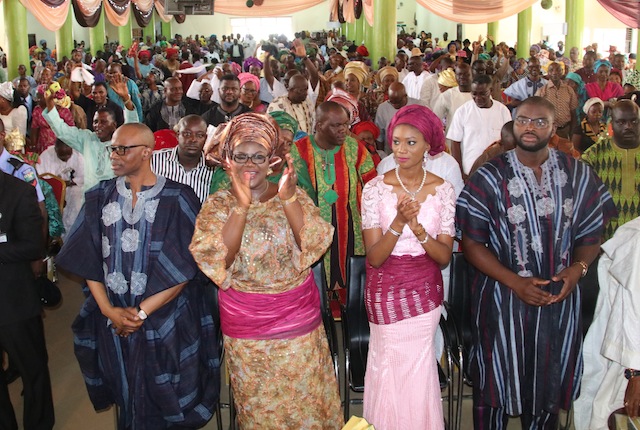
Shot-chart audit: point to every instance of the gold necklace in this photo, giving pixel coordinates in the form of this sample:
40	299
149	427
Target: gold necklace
257	199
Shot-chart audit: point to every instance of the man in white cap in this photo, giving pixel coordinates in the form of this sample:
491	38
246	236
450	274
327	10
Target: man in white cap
414	82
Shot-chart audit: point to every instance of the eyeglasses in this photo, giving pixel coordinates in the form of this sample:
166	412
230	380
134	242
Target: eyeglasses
121	150
523	121
244	90
255	158
189	135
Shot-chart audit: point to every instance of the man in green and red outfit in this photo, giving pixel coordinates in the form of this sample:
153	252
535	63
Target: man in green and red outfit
339	167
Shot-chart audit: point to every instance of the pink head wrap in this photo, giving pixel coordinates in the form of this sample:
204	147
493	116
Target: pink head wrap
345	100
235	68
423	119
249	77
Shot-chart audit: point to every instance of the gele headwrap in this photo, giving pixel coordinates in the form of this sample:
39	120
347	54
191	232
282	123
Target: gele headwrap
248	127
427	123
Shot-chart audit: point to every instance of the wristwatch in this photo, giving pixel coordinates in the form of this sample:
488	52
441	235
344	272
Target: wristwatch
631	373
142	314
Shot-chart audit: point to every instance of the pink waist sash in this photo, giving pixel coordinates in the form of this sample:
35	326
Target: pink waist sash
402	287
284	315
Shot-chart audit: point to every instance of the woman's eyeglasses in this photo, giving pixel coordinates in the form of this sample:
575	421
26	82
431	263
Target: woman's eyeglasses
255	158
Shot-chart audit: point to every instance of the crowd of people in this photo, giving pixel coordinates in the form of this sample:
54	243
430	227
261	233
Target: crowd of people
206	177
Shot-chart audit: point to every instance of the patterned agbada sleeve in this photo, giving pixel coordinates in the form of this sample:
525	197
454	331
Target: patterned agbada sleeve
475	206
172	229
81	253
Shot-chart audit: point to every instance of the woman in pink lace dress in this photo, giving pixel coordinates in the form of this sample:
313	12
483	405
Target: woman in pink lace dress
408	222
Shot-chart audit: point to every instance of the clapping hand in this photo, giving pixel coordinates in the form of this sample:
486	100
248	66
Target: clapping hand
408	210
239	184
288	181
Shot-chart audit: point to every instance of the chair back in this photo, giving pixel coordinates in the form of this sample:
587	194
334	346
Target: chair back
355	320
321	282
460	299
59	187
165	139
319	275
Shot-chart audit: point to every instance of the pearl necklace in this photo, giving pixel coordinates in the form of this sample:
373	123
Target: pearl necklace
414	194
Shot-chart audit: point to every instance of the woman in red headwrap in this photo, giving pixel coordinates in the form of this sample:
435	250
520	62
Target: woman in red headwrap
257	241
250	92
367	132
173	62
408	228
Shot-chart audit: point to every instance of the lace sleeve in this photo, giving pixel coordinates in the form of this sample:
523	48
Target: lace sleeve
371	198
447	197
207	247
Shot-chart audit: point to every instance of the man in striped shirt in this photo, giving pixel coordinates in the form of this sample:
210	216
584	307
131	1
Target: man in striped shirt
185	163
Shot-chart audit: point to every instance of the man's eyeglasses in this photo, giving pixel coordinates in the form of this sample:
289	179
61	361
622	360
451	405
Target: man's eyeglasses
121	150
523	121
255	158
189	135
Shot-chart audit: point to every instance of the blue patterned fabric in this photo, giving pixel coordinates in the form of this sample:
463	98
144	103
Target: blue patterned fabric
167	372
528	359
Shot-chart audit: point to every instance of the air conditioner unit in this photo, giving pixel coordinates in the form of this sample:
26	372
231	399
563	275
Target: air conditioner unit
188	7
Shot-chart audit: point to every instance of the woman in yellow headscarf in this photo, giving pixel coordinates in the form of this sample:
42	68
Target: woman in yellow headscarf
384	78
356	78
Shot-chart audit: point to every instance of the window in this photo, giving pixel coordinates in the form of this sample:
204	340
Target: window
261	28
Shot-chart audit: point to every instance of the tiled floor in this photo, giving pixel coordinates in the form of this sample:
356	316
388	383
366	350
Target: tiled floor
72	406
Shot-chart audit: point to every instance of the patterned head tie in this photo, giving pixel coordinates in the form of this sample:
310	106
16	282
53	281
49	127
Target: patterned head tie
601	63
249	77
252	61
248	127
386	71
427	123
285	121
359	70
347	101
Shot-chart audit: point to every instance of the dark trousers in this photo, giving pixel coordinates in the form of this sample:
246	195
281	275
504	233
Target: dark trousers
487	418
24	343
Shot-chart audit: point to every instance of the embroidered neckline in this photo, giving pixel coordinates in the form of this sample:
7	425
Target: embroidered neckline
133	214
